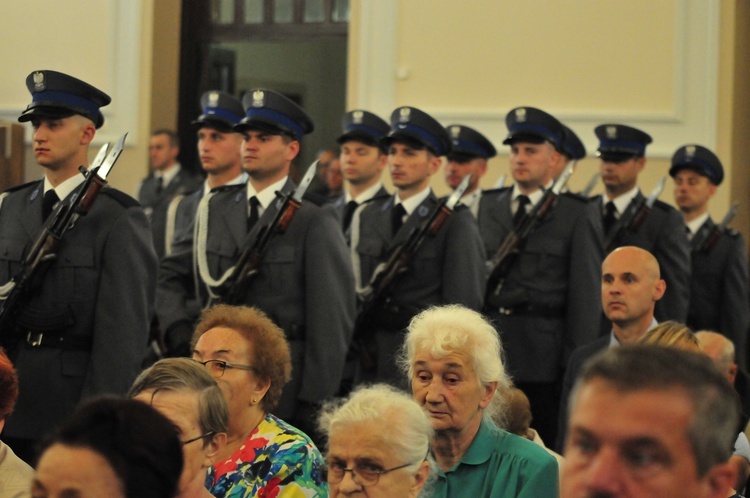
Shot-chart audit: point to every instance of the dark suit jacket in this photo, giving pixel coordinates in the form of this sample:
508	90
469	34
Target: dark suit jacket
100	287
719	287
448	268
559	267
663	235
304	284
156	204
579	357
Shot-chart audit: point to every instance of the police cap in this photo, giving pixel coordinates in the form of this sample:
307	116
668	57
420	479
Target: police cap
272	112
699	159
619	142
363	126
572	145
220	111
534	125
411	124
58	95
469	144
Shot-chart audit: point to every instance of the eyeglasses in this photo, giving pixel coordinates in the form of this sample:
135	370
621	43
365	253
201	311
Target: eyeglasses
202	436
217	367
364	475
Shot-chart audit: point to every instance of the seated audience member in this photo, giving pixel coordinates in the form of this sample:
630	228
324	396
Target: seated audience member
517	420
113	447
452	357
184	392
650	421
249	357
672	334
378	442
15	474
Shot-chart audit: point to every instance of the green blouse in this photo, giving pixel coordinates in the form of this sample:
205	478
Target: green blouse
500	464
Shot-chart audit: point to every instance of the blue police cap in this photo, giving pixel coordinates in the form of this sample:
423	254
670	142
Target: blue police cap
572	145
699	159
220	111
272	112
468	143
529	123
364	127
411	124
57	95
619	142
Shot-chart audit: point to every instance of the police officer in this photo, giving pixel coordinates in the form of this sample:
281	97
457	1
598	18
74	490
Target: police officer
549	301
83	332
622	151
167	180
572	149
469	155
304	282
719	281
363	160
447	268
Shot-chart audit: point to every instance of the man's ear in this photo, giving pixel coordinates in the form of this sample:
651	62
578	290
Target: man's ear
720	480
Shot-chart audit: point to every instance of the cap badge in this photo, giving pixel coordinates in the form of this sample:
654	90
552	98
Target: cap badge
258	98
357	117
404	114
521	115
611	132
39	81
455	131
213	99
689	151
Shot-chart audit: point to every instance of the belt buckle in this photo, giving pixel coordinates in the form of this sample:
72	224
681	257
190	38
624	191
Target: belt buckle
34	339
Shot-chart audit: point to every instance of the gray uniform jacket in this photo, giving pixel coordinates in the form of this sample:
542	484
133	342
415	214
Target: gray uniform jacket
663	235
719	287
447	269
100	289
304	284
339	204
156	204
551	297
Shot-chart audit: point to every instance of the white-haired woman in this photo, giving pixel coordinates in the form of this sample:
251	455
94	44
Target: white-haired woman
378	441
452	357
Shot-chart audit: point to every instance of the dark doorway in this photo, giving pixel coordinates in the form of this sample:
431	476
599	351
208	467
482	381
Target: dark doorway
296	47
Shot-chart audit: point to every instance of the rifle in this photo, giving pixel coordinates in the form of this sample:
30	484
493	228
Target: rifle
234	289
711	241
18	291
510	249
590	185
637	217
387	273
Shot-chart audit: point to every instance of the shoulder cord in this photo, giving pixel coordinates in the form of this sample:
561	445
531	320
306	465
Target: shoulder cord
171	219
5	289
354	240
200	261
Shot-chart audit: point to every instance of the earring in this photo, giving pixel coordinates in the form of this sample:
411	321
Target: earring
255	400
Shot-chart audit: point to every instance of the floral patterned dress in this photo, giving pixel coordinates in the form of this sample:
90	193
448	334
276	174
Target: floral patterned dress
276	461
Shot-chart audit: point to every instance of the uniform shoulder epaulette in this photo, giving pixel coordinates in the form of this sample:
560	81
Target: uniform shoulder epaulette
314	198
576	197
497	190
731	232
662	205
20	187
227	188
121	197
594	198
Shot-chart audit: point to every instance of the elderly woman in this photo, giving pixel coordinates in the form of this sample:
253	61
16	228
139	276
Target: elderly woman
184	392
452	358
378	441
249	357
113	447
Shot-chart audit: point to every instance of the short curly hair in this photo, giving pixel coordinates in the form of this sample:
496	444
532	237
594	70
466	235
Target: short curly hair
271	359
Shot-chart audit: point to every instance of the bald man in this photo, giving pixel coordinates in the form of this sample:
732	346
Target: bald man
631	286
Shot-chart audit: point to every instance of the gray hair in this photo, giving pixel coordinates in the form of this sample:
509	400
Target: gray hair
726	355
715	423
445	329
181	375
409	429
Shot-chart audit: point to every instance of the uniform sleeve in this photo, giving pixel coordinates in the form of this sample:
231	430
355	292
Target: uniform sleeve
464	275
329	306
735	308
124	304
673	254
583	312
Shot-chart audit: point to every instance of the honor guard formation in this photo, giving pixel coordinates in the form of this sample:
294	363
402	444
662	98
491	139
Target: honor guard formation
242	333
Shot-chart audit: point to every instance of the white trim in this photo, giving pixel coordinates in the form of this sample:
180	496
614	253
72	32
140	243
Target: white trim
693	113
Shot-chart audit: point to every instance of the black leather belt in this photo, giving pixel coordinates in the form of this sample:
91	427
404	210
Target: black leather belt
51	340
532	310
